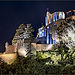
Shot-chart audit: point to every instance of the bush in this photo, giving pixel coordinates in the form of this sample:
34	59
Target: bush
34	66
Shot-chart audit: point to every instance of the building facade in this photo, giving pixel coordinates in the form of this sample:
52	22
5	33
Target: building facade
47	34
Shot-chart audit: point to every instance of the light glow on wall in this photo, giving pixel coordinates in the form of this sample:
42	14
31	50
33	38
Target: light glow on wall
46	21
61	15
49	47
57	16
49	20
40	33
45	32
54	17
47	36
54	24
50	38
57	40
54	41
8	58
22	51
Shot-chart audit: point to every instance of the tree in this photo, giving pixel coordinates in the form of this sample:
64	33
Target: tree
69	36
20	30
67	33
61	29
27	35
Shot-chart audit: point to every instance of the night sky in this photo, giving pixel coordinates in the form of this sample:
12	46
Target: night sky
12	14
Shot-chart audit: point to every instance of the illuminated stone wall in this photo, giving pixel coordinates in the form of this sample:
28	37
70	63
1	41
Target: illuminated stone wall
71	17
41	47
8	58
10	48
10	54
52	21
23	49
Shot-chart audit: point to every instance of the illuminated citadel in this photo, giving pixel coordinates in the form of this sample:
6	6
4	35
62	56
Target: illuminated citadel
46	37
47	34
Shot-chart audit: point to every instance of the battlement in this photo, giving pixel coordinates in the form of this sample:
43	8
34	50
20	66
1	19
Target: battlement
10	48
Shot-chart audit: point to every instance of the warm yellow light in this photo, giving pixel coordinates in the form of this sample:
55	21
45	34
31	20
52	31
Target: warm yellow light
57	40
8	58
49	47
22	52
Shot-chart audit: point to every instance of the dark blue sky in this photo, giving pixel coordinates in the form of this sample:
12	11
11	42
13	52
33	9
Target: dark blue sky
12	14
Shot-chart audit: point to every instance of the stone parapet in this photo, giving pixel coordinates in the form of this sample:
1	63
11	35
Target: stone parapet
42	47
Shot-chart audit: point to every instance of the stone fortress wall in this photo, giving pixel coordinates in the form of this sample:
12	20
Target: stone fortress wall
10	48
10	54
8	58
41	47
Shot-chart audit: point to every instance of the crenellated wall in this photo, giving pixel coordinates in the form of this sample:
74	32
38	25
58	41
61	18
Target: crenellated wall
10	48
42	47
10	55
8	58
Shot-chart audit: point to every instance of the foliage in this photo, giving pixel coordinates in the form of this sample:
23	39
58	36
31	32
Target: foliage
23	32
66	31
70	35
43	55
34	66
28	33
44	63
20	30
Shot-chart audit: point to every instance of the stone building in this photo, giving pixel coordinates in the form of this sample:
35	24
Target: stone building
47	34
10	54
23	47
10	48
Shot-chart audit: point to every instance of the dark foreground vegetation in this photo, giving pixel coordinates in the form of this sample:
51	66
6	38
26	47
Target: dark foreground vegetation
35	66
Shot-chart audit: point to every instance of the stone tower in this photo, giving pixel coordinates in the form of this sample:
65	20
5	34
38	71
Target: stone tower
10	48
